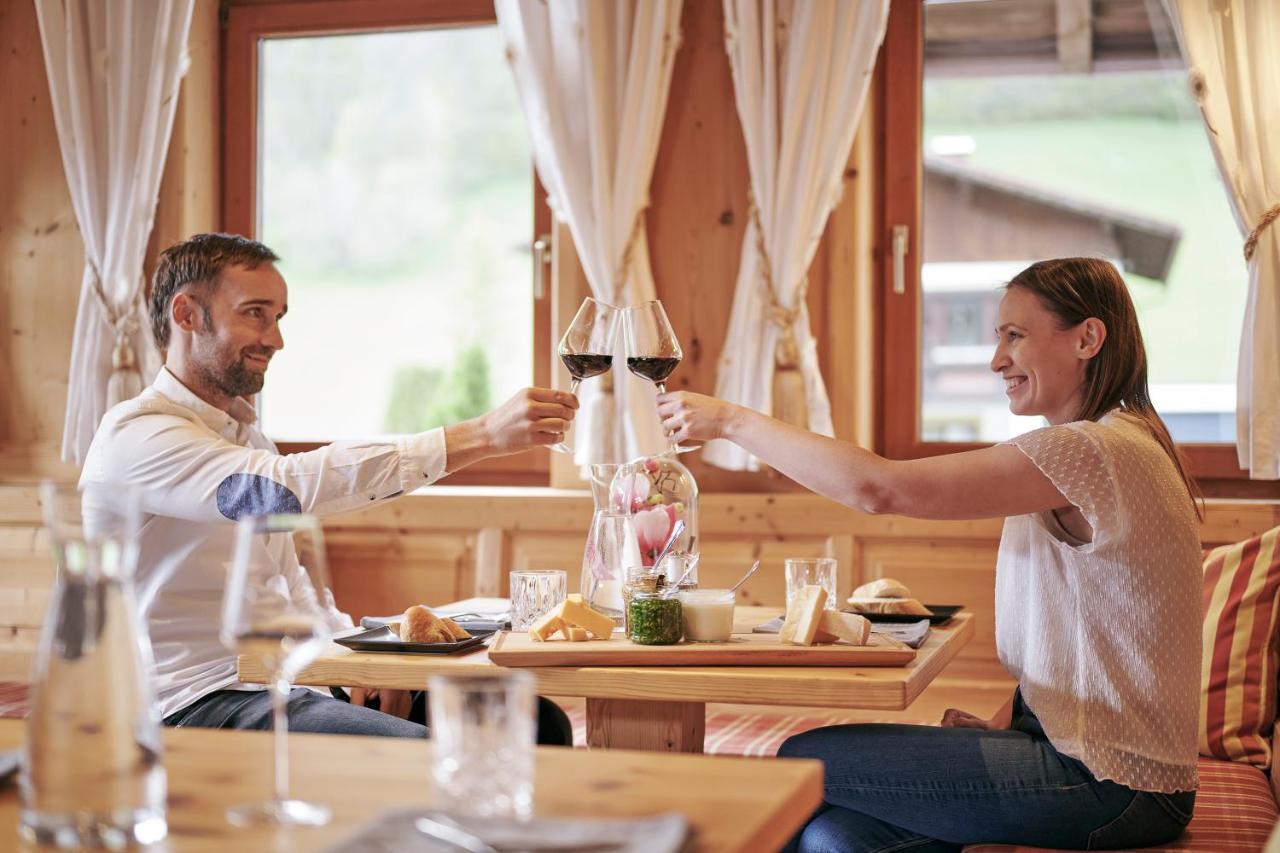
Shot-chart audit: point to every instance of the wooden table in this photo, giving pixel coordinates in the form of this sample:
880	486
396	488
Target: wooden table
731	803
660	708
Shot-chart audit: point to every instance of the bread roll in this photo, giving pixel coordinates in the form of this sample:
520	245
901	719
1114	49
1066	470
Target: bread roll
907	606
882	588
420	625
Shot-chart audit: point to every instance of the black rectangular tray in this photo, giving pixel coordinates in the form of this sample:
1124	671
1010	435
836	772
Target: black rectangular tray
940	613
383	640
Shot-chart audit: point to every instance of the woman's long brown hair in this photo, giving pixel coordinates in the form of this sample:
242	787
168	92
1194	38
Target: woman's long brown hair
1075	289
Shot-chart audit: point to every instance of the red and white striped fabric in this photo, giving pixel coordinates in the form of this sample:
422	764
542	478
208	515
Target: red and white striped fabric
1234	814
1238	678
13	700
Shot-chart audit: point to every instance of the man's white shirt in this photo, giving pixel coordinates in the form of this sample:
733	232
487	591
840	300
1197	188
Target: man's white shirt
199	469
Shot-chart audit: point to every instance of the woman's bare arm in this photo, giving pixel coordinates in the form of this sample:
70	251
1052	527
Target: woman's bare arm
992	482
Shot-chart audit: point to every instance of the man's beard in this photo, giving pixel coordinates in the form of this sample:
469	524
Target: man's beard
227	375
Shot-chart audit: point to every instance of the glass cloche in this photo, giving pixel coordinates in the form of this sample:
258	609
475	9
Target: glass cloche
658	491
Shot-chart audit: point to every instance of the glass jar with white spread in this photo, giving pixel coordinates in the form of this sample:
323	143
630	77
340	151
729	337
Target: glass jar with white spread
707	615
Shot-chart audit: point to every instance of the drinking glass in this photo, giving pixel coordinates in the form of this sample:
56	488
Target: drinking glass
92	774
652	349
278	609
587	346
818	571
533	593
483	729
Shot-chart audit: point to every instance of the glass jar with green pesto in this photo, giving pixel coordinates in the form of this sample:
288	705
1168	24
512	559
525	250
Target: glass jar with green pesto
653	618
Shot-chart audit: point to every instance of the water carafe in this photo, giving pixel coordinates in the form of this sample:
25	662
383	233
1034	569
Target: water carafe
92	773
611	546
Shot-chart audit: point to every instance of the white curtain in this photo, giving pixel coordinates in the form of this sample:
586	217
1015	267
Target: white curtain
1232	48
114	69
593	78
800	77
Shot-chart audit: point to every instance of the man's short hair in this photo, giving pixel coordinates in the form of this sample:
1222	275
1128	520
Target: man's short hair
199	260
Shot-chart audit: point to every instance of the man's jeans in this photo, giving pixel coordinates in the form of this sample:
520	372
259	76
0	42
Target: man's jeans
926	789
313	712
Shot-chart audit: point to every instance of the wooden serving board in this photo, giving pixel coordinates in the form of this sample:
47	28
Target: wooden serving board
511	648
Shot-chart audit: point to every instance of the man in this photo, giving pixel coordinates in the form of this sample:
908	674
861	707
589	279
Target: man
189	442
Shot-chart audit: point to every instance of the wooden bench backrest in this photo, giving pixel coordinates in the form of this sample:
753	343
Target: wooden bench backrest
446	544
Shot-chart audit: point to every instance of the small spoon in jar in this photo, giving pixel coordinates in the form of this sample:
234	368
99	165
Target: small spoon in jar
751	571
676	530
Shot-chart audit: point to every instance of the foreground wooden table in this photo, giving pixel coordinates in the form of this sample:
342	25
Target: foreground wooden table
661	708
732	803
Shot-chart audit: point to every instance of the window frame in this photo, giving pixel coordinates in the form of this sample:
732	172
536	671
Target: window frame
899	157
245	24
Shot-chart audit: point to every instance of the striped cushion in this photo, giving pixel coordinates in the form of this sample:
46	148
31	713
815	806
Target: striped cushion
13	700
1238	696
1234	814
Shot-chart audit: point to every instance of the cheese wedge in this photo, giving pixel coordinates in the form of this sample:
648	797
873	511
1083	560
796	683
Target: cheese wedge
850	627
546	625
804	615
577	635
577	613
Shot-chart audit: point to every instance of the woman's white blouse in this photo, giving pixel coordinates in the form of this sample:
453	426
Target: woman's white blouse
1104	637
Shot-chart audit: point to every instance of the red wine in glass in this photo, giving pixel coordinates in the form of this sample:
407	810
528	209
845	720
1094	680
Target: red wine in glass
652	349
656	370
587	346
587	364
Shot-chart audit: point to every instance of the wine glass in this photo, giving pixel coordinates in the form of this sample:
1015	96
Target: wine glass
652	349
278	608
587	346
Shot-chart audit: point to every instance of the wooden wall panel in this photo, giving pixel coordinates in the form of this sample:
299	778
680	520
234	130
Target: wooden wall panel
376	573
40	250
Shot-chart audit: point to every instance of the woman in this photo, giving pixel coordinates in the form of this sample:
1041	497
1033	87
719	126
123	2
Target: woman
1097	596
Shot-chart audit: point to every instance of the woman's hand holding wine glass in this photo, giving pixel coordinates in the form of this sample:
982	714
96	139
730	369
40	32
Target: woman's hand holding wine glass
652	349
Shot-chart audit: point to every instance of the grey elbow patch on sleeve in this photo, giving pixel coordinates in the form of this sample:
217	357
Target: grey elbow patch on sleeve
253	495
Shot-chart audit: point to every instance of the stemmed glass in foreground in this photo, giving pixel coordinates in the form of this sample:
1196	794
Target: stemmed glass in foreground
276	608
587	346
652	349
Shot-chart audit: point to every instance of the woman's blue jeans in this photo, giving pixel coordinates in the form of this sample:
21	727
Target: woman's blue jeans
922	789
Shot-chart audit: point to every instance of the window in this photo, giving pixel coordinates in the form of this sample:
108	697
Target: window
385	159
1049	129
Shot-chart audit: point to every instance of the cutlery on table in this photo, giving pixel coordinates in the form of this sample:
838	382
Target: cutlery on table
443	829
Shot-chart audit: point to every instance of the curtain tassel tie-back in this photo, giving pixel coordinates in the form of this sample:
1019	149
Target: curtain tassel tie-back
126	380
789	401
1252	242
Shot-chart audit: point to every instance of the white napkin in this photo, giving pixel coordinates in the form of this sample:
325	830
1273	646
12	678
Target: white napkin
912	634
395	830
